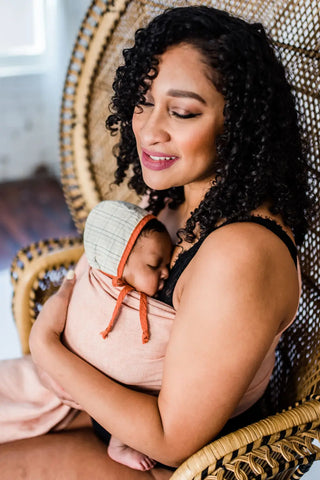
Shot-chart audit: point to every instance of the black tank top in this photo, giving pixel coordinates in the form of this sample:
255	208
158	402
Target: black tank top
165	295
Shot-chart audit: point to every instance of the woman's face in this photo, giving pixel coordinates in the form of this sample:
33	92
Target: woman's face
176	128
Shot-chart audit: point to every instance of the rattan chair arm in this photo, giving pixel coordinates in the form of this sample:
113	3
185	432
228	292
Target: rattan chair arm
31	265
278	443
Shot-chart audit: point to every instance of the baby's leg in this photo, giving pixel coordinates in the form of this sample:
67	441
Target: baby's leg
121	453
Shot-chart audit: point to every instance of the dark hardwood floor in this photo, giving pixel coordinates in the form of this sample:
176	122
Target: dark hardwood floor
31	210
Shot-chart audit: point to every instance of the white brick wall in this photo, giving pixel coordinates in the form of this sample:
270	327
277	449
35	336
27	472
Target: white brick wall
29	105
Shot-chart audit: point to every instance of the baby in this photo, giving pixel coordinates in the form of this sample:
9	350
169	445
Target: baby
127	253
125	247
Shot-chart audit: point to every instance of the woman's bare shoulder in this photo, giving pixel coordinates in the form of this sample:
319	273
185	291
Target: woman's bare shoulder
243	242
236	251
247	257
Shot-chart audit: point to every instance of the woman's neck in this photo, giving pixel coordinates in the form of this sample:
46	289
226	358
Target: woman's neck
176	219
194	193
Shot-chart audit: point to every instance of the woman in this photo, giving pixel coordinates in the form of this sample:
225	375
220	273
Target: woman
208	122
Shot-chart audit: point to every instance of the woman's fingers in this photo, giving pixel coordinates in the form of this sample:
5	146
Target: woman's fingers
51	320
67	285
56	307
70	275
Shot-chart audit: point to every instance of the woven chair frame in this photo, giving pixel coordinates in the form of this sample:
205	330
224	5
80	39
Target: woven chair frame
278	447
78	176
36	272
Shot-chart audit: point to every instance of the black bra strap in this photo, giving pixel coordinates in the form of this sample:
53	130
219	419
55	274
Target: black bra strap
274	227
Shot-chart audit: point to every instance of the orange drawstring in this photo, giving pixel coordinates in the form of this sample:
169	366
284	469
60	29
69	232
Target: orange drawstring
118	282
143	317
122	294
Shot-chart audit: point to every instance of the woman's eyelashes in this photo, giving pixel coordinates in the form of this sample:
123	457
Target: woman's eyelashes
172	112
184	115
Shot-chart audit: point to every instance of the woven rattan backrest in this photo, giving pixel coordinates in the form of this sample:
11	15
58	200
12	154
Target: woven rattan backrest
87	163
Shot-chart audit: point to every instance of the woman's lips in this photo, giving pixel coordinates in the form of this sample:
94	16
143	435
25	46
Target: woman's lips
157	160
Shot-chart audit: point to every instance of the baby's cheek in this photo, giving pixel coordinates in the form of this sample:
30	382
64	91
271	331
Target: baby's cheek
152	285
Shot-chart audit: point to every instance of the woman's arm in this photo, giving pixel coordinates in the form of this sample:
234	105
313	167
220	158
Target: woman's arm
233	298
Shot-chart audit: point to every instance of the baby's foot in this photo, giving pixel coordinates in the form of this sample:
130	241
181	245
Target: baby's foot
128	456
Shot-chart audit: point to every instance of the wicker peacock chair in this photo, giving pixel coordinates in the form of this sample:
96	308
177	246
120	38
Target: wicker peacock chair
277	447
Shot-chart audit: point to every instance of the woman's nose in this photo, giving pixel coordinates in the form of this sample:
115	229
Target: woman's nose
154	129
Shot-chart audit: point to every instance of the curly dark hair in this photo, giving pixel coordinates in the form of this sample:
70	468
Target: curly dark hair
260	154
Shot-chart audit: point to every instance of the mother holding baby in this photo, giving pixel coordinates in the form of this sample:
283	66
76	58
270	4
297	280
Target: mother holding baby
208	123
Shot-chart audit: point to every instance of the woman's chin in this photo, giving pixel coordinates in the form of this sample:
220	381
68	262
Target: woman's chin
156	181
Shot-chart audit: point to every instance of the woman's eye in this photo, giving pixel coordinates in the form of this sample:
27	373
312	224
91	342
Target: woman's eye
186	115
173	113
153	267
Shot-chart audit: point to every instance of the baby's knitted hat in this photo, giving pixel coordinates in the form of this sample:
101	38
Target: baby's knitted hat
110	233
111	230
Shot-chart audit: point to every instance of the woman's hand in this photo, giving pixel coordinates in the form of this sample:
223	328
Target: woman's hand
51	320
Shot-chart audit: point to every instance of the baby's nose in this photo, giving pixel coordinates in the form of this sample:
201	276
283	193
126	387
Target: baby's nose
165	273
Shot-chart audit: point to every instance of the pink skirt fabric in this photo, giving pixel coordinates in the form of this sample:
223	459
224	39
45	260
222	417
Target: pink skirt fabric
27	407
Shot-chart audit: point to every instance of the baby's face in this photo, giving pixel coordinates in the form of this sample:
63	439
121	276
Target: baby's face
148	264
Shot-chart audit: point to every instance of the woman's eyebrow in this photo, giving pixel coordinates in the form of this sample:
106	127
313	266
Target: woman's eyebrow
185	94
